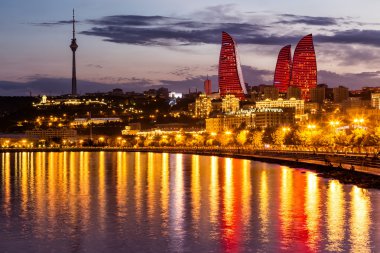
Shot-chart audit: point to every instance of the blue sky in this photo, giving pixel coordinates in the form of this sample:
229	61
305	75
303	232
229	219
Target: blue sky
138	44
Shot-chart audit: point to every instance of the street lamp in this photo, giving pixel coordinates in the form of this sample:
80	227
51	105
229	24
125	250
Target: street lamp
334	123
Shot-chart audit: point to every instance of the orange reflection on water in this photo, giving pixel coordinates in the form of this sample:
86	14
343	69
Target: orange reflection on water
246	189
102	191
286	199
24	183
138	190
84	188
195	192
360	220
165	191
121	194
6	182
312	209
177	200
151	186
335	216
264	207
214	191
230	211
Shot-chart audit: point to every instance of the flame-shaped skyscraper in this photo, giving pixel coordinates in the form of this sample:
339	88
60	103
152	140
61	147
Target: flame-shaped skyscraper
230	75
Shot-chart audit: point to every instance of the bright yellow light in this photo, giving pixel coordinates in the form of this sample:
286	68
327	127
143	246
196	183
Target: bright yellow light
118	138
228	132
213	134
334	123
311	126
358	120
285	129
101	138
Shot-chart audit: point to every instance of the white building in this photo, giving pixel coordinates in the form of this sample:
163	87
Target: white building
298	104
230	103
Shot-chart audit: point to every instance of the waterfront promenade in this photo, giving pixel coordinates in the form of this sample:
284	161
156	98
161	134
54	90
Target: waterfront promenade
369	164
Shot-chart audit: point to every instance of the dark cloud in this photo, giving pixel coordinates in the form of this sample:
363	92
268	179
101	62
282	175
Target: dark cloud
307	20
350	80
167	31
353	36
55	23
160	30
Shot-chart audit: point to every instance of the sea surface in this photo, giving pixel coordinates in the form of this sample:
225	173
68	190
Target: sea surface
151	202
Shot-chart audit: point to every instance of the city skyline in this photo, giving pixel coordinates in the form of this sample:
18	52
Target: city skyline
34	55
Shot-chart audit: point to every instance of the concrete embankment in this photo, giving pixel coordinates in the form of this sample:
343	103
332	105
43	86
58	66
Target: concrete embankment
358	169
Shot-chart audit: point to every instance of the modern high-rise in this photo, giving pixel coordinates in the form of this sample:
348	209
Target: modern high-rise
230	75
208	86
304	68
283	69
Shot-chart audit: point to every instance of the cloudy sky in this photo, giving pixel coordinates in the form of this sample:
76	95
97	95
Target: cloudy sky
135	45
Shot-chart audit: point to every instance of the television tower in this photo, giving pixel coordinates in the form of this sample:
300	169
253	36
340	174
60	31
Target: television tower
74	47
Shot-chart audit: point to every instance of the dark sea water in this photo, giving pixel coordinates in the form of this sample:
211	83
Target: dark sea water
146	202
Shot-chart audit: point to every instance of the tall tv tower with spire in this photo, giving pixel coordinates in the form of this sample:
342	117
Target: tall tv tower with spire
74	47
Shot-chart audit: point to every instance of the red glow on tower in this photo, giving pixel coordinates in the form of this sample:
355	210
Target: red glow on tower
283	69
208	86
230	74
304	69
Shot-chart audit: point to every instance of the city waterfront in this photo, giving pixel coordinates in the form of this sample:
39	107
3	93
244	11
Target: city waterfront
152	202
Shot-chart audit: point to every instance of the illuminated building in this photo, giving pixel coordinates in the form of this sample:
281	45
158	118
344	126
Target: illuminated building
256	117
94	121
298	104
64	133
208	86
229	122
274	117
304	69
230	103
283	69
203	106
375	100
230	75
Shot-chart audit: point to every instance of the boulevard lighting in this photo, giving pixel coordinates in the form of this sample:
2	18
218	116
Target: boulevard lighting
228	132
285	129
213	134
359	120
311	126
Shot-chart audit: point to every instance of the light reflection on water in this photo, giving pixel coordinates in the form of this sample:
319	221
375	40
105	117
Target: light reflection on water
146	202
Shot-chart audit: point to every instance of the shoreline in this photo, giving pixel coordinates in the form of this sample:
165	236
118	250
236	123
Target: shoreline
362	176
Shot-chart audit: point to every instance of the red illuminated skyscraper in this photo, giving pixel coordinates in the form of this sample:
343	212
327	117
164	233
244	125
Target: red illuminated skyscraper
208	86
230	74
283	69
304	69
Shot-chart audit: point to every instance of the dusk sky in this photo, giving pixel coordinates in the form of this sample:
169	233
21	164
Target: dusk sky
134	45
